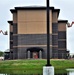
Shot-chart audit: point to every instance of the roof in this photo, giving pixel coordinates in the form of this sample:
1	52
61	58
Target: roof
34	8
11	22
62	21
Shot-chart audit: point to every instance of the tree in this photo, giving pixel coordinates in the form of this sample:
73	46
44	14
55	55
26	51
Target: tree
73	56
1	53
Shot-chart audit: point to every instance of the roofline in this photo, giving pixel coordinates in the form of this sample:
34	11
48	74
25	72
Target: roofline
29	8
56	10
10	22
13	10
62	21
34	8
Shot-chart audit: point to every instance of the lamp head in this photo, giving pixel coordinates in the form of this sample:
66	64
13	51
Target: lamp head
5	33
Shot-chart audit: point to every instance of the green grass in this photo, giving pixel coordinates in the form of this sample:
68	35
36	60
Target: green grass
63	64
33	65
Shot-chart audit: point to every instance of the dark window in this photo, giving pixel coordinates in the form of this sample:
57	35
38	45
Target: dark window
54	49
61	54
15	40
54	52
11	46
54	39
32	39
11	35
50	39
62	35
15	53
62	44
54	28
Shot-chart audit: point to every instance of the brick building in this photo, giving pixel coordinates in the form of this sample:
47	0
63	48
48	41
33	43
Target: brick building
28	33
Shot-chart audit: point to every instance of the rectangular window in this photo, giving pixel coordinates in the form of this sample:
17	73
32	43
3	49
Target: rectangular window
62	35
62	44
54	39
54	28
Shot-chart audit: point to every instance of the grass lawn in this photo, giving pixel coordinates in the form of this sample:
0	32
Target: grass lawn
34	65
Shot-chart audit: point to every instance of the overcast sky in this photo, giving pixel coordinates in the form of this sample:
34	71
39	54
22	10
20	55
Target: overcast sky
66	12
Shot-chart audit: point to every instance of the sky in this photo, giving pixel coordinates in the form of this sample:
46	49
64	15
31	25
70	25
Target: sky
66	13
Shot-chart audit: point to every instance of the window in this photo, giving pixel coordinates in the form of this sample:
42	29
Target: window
62	44
62	35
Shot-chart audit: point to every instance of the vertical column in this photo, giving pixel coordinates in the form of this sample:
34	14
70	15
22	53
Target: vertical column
28	54
40	54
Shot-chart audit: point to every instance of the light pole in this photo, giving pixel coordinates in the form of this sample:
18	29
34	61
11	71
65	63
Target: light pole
48	34
48	69
4	33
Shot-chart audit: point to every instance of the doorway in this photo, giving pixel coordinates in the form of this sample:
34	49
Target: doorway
34	52
35	55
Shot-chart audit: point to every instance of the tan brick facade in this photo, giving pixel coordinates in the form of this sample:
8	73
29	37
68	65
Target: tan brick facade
29	33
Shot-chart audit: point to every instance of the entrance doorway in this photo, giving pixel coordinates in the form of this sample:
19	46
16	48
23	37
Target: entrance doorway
35	55
34	52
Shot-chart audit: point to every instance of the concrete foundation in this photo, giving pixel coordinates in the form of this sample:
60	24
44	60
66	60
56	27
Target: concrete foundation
48	70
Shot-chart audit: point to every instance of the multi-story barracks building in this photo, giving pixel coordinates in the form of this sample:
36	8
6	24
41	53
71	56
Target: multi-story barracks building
28	33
